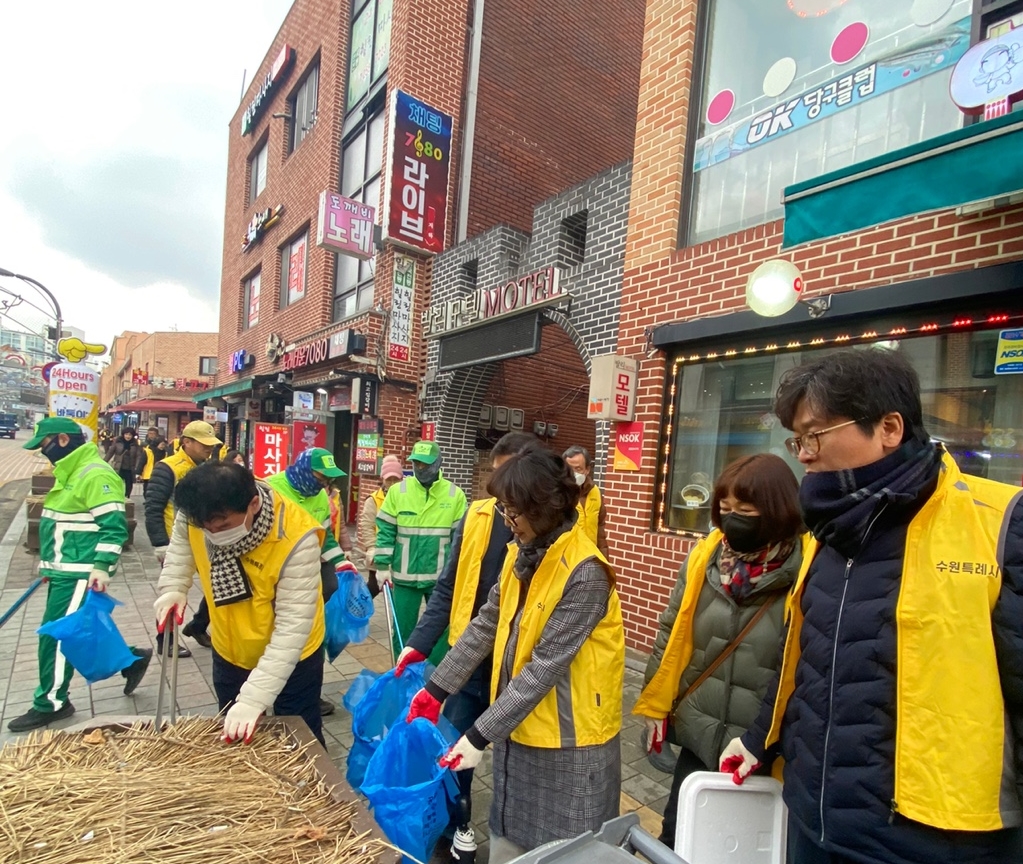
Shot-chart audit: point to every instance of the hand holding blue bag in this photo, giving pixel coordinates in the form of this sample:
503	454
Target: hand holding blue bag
408	790
347	613
89	639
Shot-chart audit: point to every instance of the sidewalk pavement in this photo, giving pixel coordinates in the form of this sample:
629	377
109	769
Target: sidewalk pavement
644	788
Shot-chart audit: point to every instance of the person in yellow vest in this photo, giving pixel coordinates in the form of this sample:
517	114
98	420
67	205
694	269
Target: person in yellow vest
554	626
478	549
592	514
717	644
155	450
258	560
366	528
198	441
899	702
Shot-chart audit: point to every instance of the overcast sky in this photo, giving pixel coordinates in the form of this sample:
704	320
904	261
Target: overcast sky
113	153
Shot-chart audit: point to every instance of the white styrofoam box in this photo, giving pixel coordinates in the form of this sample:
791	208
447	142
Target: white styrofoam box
721	823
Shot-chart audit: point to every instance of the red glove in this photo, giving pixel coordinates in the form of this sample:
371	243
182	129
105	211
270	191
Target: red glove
424	705
346	565
408	656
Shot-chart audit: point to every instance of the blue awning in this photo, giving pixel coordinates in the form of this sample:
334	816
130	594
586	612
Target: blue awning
976	163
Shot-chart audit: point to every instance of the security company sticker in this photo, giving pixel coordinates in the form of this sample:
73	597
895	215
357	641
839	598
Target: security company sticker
1009	356
328	461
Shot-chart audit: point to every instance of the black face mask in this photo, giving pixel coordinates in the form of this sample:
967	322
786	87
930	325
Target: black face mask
742	532
426	474
54	452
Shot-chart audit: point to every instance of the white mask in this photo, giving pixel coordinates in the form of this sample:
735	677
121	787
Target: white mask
580	479
228	537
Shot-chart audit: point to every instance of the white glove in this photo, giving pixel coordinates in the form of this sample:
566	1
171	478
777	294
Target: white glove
384	578
98	580
161	553
240	722
169	601
462	756
738	761
656	733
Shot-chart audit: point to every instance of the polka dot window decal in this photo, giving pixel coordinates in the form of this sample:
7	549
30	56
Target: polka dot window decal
779	77
720	107
850	41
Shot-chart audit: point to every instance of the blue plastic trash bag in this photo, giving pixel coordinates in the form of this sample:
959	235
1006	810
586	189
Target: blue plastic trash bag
359	688
407	790
385	704
347	613
89	639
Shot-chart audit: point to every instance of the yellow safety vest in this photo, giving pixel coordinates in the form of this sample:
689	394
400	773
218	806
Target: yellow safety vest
951	760
479	521
241	631
590	700
180	464
147	469
589	513
378	499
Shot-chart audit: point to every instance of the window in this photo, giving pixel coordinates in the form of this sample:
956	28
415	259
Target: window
250	301
572	239
293	259
722	411
791	91
303	108
207	365
257	173
370	47
361	160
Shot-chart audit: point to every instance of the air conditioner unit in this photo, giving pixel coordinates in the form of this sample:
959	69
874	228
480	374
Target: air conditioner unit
486	416
517	419
501	418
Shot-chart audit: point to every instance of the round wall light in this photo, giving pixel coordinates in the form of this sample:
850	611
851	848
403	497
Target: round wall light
774	288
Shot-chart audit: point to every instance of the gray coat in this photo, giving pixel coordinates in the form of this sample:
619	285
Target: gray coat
726	704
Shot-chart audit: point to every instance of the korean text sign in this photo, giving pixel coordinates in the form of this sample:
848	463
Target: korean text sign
612	388
270	449
345	226
419	158
402	292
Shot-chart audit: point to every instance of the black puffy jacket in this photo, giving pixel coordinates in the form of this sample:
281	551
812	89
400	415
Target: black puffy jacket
838	736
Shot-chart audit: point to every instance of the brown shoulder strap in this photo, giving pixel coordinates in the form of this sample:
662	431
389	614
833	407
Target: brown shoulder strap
724	655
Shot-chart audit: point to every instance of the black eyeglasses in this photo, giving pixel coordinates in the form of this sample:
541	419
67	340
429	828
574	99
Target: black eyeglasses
509	516
810	442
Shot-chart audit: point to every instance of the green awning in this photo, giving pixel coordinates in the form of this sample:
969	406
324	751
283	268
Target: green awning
979	162
225	389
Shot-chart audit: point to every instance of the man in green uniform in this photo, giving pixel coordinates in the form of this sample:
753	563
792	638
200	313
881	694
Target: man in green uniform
81	534
414	529
305	483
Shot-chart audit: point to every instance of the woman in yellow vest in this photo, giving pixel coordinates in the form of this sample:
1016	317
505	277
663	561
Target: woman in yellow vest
716	649
258	560
554	625
366	529
592	514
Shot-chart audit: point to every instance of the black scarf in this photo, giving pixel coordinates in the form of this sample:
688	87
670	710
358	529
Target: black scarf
838	505
227	576
531	554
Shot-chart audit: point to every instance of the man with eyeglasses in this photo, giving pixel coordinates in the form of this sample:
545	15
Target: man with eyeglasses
899	703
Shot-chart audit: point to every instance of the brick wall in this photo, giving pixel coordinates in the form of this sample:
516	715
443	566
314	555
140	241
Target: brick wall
590	327
662	284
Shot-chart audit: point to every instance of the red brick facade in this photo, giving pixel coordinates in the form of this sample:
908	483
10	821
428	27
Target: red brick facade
664	283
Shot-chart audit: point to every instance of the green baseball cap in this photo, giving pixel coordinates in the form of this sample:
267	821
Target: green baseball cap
426	452
322	461
52	426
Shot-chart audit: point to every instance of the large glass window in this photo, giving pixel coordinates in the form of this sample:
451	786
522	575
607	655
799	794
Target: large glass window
722	411
257	173
793	90
370	46
303	107
250	301
293	263
361	162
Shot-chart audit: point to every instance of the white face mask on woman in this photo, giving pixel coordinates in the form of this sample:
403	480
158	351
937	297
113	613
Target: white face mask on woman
227	537
580	479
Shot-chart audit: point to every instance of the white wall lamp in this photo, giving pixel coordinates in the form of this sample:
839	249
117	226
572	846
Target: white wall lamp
776	286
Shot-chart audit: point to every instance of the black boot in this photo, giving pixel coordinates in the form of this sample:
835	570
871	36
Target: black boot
33	719
200	636
134	674
326	708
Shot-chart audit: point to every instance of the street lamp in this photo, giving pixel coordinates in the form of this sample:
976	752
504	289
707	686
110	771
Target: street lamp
49	294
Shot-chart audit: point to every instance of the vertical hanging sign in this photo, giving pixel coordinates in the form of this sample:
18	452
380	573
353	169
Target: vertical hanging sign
419	153
271	449
401	307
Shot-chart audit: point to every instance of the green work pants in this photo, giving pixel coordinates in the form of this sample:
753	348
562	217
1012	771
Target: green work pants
63	596
408	601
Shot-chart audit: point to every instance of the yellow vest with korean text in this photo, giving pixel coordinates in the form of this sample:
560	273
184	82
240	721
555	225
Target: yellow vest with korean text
589	513
953	768
479	520
585	708
180	464
241	631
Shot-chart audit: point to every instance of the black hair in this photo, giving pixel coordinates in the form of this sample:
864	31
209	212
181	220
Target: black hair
576	450
861	384
538	484
231	455
765	481
214	489
134	432
515	444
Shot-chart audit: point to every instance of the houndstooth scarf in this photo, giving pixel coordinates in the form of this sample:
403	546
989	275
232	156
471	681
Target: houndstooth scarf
227	576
